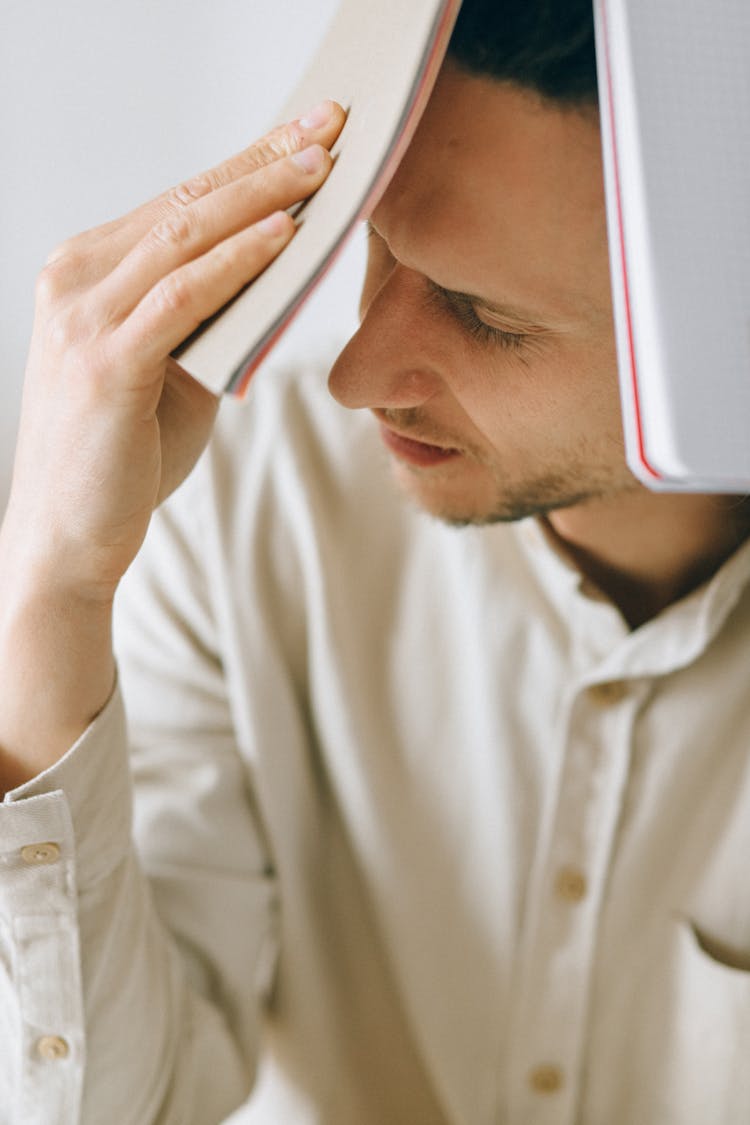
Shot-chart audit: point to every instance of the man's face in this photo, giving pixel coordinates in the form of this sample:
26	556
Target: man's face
486	348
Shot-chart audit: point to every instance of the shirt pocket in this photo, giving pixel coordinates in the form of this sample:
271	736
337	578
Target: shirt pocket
705	1074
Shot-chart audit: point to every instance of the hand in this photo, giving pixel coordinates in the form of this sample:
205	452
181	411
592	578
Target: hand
110	424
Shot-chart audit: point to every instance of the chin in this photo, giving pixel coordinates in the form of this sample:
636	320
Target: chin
441	495
454	506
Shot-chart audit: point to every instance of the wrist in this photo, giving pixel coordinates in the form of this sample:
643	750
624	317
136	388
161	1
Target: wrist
33	575
57	668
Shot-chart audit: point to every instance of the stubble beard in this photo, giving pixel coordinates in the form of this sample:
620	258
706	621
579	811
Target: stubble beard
511	503
509	500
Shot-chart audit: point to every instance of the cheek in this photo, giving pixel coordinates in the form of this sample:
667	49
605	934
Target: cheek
555	394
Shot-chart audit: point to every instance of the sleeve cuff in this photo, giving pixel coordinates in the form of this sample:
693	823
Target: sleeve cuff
92	782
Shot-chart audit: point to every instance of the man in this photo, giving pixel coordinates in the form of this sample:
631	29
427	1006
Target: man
433	825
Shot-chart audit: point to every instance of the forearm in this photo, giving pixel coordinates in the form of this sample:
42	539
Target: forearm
57	669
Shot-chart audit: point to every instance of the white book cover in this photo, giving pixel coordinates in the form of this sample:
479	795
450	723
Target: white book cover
674	81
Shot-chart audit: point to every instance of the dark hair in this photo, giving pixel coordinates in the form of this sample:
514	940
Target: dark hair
542	45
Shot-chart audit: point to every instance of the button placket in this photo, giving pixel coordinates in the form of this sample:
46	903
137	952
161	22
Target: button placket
568	889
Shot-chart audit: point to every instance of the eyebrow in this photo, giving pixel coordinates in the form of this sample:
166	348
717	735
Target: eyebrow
523	317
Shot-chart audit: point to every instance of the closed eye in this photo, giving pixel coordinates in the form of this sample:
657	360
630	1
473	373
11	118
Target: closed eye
462	308
464	312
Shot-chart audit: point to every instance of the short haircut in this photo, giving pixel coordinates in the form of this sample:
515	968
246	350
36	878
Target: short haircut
546	46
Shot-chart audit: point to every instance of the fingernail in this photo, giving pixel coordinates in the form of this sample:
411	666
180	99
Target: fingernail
274	225
316	116
310	159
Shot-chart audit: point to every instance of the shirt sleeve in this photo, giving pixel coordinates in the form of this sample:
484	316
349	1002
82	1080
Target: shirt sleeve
136	903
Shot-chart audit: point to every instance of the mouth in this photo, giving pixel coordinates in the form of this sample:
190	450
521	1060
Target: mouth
419	453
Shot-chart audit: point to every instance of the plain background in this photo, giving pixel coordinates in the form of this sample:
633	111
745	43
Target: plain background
103	105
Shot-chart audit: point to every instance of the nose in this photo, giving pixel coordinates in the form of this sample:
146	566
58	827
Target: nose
391	361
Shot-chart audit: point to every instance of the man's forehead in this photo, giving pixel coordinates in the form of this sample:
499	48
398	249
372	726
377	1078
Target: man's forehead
500	198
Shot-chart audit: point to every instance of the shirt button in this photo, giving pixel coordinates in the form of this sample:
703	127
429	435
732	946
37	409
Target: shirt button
571	884
36	854
546	1079
52	1047
610	693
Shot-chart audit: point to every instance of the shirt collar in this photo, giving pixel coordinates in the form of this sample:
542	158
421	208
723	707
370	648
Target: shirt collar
602	645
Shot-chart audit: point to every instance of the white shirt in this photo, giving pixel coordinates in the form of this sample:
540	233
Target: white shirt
423	834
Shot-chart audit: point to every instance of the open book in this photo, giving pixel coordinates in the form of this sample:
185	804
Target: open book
674	83
380	61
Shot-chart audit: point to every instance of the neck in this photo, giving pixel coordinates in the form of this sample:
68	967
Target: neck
645	550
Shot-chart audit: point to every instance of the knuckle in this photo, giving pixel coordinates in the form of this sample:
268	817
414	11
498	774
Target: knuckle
66	251
173	230
57	274
48	284
189	191
172	294
275	145
285	141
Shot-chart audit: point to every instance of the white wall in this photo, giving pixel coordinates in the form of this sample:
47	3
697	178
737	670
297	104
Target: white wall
103	105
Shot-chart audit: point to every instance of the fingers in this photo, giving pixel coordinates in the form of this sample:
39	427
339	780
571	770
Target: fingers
181	300
172	242
96	252
320	126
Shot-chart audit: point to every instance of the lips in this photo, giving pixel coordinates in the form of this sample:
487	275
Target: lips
419	453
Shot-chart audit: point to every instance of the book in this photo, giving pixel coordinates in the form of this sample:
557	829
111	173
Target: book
674	89
379	61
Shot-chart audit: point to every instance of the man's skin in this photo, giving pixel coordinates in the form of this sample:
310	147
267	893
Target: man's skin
499	196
